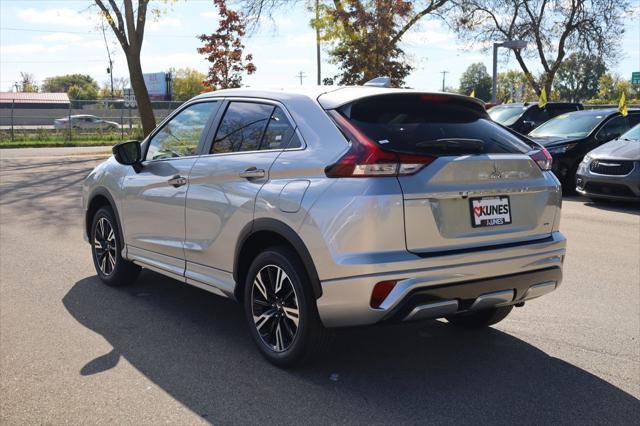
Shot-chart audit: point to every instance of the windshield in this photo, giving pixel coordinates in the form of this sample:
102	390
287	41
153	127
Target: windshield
505	115
633	134
571	125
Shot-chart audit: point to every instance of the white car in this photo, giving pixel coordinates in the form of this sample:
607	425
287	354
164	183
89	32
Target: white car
85	122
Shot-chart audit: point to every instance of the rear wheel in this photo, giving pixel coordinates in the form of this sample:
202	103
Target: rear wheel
480	319
280	308
106	248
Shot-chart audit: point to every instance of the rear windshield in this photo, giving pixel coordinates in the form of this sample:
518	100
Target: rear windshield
429	124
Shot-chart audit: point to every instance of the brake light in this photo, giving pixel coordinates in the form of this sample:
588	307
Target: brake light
542	158
366	159
380	292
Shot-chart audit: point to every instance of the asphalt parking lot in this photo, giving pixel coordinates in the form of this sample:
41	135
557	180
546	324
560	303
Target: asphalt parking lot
73	351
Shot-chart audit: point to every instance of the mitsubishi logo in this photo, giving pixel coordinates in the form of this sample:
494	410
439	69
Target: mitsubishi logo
496	173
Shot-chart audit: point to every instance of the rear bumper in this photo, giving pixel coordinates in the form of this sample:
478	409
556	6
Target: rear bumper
485	278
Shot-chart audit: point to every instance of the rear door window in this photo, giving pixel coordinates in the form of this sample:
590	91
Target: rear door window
242	127
423	124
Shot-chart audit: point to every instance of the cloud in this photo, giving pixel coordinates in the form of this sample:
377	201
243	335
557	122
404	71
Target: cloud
210	14
163	24
301	40
62	37
57	16
289	61
24	48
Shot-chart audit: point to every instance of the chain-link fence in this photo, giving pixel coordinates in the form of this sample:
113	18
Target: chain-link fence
99	121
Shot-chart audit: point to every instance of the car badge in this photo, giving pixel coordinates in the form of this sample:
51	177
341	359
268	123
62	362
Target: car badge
496	173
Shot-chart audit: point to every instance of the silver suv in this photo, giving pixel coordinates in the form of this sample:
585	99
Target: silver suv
332	207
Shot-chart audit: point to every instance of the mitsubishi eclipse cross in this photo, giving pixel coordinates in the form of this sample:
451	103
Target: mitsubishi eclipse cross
331	207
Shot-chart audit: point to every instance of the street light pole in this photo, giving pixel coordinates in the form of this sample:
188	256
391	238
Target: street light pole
444	73
509	44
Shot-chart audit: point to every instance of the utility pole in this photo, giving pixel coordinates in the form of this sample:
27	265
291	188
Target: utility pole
301	75
110	69
444	74
318	40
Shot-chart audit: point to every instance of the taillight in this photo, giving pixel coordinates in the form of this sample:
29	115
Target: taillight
380	292
542	158
366	159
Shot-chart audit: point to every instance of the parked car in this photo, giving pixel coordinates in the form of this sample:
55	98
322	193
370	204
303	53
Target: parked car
612	171
524	117
324	208
569	137
85	122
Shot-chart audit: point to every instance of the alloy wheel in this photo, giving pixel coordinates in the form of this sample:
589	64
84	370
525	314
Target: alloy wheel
104	246
274	306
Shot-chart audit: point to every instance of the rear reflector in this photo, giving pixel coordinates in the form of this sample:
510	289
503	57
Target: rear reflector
542	158
366	159
380	292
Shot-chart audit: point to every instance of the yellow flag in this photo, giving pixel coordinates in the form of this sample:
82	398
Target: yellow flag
473	93
543	98
622	105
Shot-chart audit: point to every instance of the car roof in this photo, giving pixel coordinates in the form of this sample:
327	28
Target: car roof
603	111
329	97
530	104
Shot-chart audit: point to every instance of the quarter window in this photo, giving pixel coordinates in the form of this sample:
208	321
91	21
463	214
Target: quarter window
280	133
181	135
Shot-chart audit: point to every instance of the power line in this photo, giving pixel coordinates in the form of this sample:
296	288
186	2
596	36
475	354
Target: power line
301	75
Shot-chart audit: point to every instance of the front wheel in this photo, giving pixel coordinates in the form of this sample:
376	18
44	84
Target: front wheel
280	308
480	319
106	248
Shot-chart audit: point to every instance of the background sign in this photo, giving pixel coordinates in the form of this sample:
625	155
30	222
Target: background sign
156	85
635	77
129	98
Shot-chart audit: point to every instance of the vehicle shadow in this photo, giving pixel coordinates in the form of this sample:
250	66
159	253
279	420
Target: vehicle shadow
612	206
195	346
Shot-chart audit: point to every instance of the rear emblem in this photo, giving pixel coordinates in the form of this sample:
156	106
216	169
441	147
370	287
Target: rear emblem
496	173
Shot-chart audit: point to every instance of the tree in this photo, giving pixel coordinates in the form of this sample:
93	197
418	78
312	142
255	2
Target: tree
128	25
224	50
551	27
27	82
119	84
611	86
476	79
577	77
364	34
77	86
187	83
513	86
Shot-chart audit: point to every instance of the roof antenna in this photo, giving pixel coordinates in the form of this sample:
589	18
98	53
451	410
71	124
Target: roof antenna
379	82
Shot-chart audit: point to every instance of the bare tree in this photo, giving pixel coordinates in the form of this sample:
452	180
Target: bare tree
128	25
551	27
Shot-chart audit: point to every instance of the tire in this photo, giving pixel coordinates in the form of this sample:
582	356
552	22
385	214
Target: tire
569	182
480	319
111	267
285	336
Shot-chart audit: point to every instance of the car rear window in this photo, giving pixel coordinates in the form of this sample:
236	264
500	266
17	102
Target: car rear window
431	124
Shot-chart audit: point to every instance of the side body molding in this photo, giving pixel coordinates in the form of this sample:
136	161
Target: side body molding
280	228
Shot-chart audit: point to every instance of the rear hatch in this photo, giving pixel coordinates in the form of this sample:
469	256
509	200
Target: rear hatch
477	184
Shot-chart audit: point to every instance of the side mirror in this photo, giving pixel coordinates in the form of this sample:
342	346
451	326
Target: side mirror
128	153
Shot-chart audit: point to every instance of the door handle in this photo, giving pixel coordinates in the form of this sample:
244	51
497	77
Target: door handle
253	173
177	181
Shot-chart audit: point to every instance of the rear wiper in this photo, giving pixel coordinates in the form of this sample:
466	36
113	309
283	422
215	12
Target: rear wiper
453	144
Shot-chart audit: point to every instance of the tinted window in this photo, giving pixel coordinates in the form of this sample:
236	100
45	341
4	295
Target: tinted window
614	128
242	127
280	133
633	119
181	135
536	115
412	124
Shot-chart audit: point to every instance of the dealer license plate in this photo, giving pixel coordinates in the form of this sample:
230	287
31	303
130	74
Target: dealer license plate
490	211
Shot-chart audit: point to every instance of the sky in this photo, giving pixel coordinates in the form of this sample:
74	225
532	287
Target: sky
53	37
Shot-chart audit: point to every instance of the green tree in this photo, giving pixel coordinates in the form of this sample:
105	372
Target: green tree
476	79
611	86
27	82
187	83
513	86
578	76
77	86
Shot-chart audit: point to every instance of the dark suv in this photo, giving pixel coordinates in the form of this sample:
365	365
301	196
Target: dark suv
524	117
